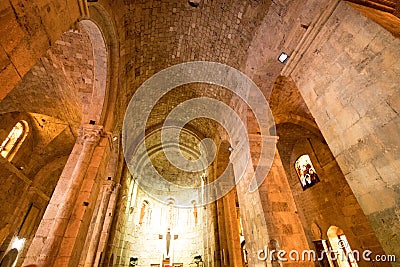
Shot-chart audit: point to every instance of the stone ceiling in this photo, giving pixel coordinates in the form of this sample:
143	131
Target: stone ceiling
159	34
59	84
247	35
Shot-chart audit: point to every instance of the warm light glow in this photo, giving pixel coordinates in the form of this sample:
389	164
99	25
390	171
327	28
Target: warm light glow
18	243
306	171
283	57
14	139
339	243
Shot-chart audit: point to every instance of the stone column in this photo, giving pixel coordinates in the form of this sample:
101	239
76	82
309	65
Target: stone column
232	229
213	228
110	210
280	213
223	246
108	187
48	239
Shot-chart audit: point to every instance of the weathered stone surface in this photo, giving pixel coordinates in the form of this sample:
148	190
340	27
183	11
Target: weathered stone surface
358	101
339	103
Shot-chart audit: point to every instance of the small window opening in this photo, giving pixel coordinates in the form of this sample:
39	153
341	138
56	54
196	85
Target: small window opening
306	172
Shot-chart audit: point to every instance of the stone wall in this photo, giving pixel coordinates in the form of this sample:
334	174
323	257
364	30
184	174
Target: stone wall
29	183
145	237
281	214
31	27
349	79
330	202
142	233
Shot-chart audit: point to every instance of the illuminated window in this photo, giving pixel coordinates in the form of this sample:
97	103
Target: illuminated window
306	172
171	214
344	255
195	214
145	213
12	143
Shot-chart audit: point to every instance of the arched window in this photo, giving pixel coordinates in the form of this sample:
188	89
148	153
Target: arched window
14	140
195	214
345	257
306	171
145	213
171	219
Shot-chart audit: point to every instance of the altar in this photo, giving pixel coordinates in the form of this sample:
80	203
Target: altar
167	265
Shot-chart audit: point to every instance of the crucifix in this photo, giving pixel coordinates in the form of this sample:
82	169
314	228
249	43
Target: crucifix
168	237
167	254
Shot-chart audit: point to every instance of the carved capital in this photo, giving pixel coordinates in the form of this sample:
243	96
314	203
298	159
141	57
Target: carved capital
90	134
109	185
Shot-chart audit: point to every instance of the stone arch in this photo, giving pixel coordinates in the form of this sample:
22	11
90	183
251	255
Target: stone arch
52	83
151	152
385	13
339	243
93	111
343	112
145	213
296	119
36	30
10	258
102	18
95	95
